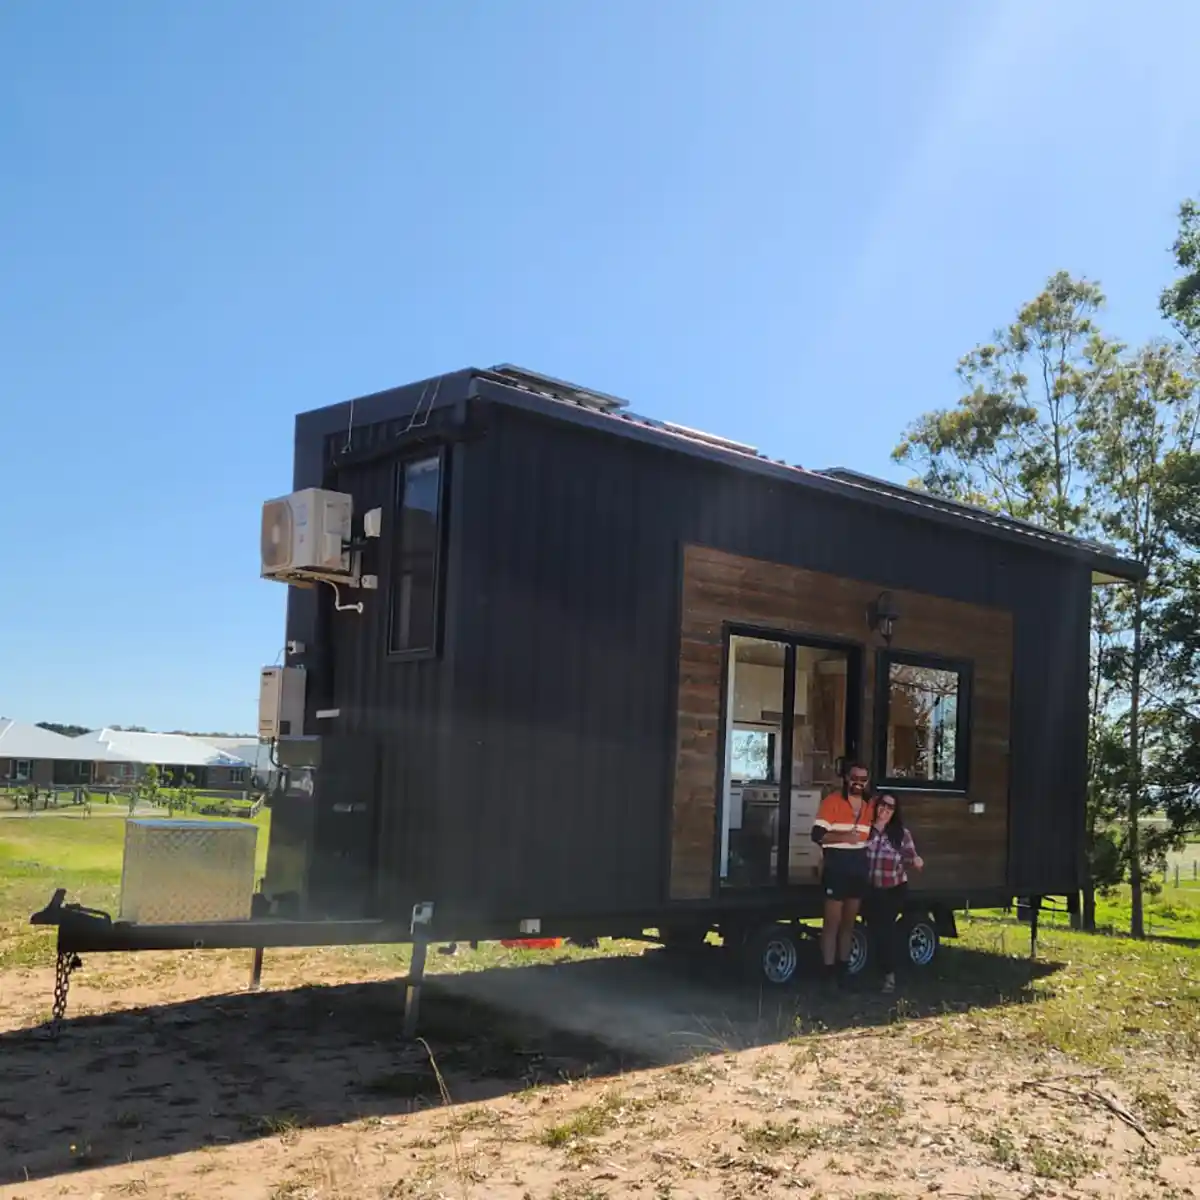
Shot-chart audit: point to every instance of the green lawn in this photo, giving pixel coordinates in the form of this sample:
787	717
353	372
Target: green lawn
83	854
1103	1000
1174	912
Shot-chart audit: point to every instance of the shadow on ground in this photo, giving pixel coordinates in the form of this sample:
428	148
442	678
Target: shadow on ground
145	1083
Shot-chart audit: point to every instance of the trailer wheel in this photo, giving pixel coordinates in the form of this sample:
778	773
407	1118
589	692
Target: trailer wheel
860	950
921	938
772	955
681	940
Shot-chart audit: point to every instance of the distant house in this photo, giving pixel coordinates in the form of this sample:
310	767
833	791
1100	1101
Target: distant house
252	751
30	754
122	755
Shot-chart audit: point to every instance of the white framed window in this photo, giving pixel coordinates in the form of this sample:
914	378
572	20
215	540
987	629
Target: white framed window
237	775
22	770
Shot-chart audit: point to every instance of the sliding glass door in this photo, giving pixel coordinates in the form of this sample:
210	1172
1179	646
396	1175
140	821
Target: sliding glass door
791	712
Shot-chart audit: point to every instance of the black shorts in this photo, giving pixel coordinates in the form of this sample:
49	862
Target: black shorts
845	875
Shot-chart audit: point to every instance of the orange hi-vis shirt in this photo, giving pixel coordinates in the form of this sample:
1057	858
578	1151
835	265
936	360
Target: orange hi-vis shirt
836	815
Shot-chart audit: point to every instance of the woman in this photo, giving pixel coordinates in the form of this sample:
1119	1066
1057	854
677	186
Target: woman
890	852
842	829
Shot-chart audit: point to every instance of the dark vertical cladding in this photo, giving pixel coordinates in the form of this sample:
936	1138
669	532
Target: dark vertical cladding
527	769
398	707
565	641
565	677
384	761
1049	727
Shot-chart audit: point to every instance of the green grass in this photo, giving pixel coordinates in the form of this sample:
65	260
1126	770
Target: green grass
1175	911
592	1121
1171	912
1106	998
83	854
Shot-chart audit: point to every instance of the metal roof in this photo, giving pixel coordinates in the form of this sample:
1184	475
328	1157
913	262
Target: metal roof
22	741
250	750
599	410
969	512
168	749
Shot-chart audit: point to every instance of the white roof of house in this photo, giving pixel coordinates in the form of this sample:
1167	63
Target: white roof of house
250	750
19	740
167	749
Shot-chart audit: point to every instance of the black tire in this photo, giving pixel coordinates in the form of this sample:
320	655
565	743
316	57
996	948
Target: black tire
771	955
682	940
921	940
860	950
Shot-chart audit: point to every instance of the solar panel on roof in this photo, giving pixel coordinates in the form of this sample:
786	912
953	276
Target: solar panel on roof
712	438
560	389
617	410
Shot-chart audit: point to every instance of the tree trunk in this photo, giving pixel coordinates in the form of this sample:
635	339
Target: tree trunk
1089	907
1087	913
1137	927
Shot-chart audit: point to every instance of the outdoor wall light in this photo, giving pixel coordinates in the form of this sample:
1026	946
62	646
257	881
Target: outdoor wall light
882	616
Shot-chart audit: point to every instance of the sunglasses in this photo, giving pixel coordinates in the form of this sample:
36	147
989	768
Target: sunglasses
885	804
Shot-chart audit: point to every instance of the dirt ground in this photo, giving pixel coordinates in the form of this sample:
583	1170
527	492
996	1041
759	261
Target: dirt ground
623	1076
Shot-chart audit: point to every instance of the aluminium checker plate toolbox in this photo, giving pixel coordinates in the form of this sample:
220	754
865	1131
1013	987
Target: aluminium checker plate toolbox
179	872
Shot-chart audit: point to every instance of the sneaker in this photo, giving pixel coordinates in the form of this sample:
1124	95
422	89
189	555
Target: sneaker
889	984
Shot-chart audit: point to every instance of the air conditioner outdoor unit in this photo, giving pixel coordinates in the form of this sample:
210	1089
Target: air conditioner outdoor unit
304	535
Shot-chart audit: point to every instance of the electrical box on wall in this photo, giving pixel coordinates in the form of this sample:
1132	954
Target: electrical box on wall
281	703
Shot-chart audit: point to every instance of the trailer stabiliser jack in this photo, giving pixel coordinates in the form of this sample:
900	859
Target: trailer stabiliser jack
422	919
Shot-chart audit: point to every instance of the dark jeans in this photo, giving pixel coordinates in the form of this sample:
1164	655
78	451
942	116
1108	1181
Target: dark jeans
883	911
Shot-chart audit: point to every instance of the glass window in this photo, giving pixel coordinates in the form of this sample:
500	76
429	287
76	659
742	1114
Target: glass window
416	538
924	731
23	770
752	755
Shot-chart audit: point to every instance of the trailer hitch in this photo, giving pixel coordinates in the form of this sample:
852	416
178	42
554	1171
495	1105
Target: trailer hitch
68	918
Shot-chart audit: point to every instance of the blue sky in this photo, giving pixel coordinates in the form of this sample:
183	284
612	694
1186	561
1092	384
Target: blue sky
780	221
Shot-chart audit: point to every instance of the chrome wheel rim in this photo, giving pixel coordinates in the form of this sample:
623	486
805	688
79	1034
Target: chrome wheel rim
858	952
922	944
779	960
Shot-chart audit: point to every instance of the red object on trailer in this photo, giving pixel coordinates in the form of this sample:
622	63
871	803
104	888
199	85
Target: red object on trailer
532	943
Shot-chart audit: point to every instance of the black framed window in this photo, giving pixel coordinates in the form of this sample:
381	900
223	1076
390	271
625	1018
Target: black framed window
415	556
922	729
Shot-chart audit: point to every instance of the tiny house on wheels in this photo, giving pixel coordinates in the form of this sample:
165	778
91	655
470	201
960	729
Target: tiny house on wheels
574	671
554	669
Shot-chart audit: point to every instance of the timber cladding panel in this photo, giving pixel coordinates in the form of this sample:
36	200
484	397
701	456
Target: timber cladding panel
962	851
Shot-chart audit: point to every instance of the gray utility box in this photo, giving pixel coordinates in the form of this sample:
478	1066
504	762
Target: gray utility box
179	872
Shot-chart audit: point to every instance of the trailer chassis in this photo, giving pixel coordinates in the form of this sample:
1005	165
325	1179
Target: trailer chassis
83	930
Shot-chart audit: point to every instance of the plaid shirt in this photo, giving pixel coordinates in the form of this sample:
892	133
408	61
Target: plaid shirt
886	863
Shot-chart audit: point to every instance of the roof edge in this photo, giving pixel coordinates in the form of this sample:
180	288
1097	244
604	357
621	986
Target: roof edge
841	481
1108	559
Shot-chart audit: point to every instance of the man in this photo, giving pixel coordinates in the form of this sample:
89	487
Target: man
842	829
